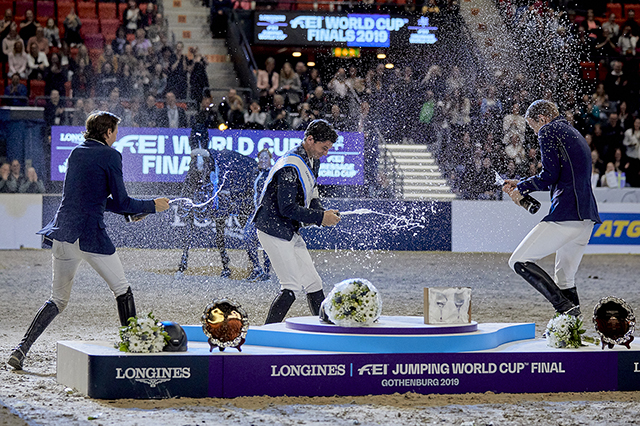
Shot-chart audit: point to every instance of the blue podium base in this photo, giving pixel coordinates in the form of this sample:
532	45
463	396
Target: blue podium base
277	360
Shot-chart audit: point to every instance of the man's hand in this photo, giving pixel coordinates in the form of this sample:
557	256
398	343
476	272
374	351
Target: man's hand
162	204
330	218
510	187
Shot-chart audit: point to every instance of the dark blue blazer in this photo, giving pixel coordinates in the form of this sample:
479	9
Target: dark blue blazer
93	184
282	211
566	173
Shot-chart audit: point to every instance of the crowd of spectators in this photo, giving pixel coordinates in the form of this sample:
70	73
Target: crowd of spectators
12	180
474	126
141	61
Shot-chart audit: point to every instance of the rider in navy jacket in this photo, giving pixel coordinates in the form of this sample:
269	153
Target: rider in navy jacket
566	173
93	184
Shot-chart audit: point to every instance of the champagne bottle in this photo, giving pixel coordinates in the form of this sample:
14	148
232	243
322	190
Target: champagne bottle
134	217
530	204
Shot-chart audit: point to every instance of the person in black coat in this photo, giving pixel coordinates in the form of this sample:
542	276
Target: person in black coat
93	184
172	115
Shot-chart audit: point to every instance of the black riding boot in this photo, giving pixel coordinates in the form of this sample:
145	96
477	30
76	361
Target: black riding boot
542	282
280	306
315	300
126	307
572	295
43	318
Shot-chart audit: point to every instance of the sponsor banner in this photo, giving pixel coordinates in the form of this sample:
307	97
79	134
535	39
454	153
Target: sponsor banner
153	376
349	374
618	229
628	371
345	30
163	155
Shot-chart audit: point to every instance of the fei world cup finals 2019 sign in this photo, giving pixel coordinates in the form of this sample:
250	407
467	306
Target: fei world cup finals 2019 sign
348	29
164	155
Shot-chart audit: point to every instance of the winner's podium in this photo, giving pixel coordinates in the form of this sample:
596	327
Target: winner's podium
303	357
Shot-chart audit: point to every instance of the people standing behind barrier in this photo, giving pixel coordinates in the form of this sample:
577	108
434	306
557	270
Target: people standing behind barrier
268	81
72	26
290	87
235	117
32	185
148	114
54	114
55	79
172	115
18	60
37	63
16	176
177	79
255	118
259	273
28	27
9	40
131	17
40	40
52	33
17	90
7	186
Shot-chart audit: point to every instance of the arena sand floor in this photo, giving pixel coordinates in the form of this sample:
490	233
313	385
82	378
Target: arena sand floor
499	295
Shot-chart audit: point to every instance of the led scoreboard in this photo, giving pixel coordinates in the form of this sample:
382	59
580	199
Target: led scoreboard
350	30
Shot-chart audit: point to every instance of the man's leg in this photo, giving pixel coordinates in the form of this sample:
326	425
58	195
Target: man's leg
568	259
251	245
545	238
282	253
66	259
109	267
308	276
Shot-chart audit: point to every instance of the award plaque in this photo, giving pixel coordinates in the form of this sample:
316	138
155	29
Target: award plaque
614	321
225	323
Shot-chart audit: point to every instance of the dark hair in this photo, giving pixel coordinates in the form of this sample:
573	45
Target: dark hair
98	123
541	107
321	130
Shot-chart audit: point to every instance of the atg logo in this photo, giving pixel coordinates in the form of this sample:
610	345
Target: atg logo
617	228
153	375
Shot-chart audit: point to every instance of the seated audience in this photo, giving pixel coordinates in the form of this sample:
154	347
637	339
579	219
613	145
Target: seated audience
16	89
31	184
171	115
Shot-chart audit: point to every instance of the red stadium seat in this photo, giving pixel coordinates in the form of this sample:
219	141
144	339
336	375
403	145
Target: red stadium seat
36	89
42	20
634	7
64	9
46	9
109	28
87	10
89	26
588	70
305	5
107	10
23	6
122	7
4	5
614	8
142	7
94	41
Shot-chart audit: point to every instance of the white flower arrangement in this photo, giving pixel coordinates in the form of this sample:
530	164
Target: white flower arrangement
353	303
144	334
564	331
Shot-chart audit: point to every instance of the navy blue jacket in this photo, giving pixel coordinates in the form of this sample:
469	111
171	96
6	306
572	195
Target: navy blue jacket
94	172
282	211
566	173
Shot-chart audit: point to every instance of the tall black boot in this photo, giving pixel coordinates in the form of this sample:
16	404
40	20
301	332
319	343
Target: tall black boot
280	306
43	318
572	295
315	300
542	282
126	307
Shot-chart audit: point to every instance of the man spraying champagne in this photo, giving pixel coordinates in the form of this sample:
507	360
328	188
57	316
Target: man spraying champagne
565	231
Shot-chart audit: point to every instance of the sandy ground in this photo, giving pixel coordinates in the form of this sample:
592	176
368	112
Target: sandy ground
498	296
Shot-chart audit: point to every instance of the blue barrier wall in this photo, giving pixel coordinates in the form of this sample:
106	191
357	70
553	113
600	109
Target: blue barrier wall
416	225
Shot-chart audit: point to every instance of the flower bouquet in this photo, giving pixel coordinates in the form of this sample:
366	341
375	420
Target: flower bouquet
352	303
565	331
144	334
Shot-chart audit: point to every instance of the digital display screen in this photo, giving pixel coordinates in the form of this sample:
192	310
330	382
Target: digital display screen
350	30
164	155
